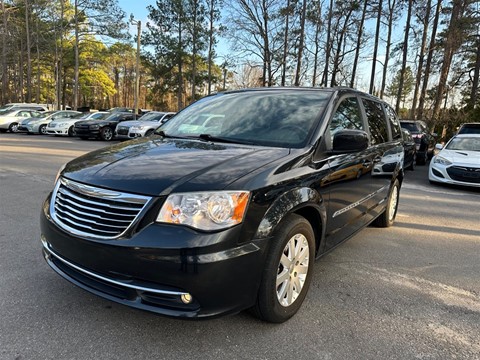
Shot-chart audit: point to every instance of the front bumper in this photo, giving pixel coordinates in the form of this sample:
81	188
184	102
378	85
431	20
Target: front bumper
57	131
155	266
455	175
81	132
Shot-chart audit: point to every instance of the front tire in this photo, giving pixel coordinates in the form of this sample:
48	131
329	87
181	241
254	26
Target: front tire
42	130
106	134
387	218
71	131
288	271
13	128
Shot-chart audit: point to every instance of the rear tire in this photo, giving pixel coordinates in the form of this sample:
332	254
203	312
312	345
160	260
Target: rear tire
288	271
387	218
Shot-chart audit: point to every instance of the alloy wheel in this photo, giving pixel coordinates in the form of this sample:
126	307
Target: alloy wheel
292	270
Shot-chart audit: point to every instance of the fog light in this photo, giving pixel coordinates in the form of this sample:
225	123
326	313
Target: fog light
186	298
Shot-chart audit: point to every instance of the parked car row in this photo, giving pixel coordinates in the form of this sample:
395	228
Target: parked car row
105	125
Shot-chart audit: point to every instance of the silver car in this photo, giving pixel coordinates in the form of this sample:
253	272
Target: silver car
147	124
38	125
10	119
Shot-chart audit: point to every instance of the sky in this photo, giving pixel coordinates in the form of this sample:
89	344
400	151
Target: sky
136	7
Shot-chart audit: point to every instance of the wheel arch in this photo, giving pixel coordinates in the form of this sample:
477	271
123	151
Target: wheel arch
305	202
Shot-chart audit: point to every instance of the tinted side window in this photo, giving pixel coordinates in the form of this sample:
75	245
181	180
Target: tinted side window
347	116
376	121
394	123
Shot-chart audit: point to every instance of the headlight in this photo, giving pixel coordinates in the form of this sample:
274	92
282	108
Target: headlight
62	124
441	160
206	210
94	127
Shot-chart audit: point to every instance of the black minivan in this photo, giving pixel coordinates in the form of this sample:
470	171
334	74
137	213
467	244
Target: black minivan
229	204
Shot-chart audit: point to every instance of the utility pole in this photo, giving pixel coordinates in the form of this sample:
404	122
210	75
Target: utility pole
137	65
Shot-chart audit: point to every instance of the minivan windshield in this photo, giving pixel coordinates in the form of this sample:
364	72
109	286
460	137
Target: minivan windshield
278	118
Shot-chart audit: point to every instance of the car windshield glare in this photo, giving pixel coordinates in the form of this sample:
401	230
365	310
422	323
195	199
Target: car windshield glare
151	117
266	118
464	144
45	114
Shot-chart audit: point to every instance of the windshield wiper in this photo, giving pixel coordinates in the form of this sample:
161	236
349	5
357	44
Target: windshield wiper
209	137
165	135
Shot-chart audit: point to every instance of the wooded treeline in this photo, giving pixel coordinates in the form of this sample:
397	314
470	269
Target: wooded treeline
421	56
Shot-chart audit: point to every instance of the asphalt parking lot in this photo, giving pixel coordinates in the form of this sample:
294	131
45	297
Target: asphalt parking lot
408	292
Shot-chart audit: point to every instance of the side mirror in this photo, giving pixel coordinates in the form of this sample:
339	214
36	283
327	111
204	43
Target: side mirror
438	146
349	141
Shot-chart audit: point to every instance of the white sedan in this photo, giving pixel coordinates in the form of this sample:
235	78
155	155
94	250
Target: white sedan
65	126
458	162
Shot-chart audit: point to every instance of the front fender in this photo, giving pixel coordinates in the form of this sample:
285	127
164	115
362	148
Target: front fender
291	201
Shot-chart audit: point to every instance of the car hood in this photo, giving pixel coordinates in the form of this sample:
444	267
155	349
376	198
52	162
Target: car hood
63	120
89	122
29	120
461	157
160	166
128	123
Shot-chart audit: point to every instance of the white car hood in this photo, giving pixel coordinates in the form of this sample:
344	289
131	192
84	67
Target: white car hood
461	157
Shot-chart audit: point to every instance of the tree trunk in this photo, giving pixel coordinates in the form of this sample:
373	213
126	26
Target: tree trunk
210	45
4	98
475	80
267	54
317	44
404	57
391	7
77	60
328	46
431	48
452	43
194	50
375	47
285	44
338	52
359	43
180	63
28	92
300	45
421	58
37	41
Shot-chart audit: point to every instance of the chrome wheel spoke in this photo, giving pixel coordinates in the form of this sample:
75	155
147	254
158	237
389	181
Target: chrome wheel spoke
282	277
285	261
302	269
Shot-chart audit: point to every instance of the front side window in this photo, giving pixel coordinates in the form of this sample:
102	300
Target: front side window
267	118
347	116
376	121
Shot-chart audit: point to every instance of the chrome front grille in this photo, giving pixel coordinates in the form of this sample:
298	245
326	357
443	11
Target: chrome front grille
94	212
